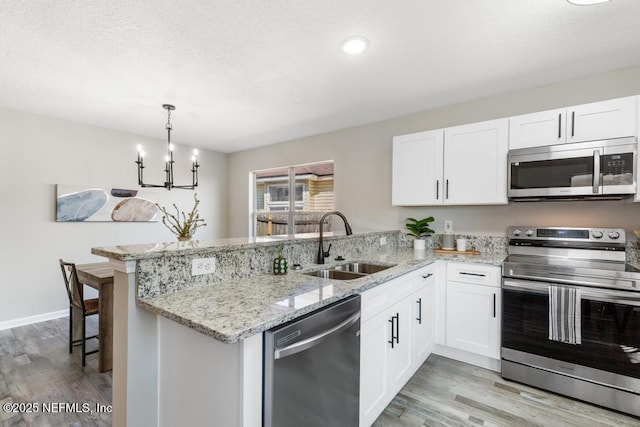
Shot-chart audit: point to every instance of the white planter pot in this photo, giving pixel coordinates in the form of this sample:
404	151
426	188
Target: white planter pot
419	244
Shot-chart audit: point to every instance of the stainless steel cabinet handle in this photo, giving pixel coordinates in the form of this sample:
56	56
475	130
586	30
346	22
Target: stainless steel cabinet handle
419	318
426	276
397	328
446	194
316	339
437	189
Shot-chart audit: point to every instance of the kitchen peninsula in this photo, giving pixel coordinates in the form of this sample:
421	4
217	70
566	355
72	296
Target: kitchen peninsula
188	348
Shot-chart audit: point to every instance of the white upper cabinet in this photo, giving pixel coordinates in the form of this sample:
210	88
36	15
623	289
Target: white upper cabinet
417	169
462	165
615	118
536	129
475	163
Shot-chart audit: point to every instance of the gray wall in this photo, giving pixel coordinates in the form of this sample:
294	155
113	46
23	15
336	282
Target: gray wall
362	158
38	153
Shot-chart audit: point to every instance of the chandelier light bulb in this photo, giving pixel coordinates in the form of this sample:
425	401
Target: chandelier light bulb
195	152
139	147
142	153
171	147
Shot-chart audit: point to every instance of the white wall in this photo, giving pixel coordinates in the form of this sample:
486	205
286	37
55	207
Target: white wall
362	158
38	153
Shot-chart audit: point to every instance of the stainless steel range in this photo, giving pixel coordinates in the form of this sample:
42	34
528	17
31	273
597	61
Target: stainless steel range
571	315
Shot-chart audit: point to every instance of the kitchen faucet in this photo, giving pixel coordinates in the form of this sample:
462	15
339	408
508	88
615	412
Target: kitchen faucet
347	228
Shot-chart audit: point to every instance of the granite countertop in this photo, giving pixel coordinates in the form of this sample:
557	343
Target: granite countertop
158	250
234	310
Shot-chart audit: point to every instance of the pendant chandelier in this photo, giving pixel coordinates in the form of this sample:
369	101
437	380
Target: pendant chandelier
168	161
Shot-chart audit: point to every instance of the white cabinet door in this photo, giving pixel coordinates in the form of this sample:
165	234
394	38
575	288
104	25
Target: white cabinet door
374	390
401	352
475	163
473	318
424	322
615	118
537	129
417	169
385	367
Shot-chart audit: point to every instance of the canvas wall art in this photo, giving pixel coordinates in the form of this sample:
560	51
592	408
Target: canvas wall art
82	204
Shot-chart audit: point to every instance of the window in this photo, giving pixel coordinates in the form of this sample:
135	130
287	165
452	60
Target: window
275	212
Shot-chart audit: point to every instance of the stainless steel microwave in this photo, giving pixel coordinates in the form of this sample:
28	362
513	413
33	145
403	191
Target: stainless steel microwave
566	171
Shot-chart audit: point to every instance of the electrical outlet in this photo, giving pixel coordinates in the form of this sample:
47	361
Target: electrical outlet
448	226
383	241
200	266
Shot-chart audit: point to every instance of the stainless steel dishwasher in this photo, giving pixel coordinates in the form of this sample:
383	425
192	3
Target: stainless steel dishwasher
312	369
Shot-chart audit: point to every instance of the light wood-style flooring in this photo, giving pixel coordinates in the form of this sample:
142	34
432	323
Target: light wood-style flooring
36	367
446	392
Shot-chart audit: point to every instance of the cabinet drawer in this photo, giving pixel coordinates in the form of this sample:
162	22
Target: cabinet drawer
423	277
384	296
488	275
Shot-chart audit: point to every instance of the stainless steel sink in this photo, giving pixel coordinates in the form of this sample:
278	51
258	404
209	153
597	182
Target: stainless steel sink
353	270
362	267
335	274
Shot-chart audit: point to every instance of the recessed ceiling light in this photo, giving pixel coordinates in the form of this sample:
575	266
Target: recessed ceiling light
355	45
587	2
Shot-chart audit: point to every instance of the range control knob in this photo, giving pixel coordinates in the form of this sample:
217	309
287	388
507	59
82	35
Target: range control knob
597	234
529	232
517	232
614	235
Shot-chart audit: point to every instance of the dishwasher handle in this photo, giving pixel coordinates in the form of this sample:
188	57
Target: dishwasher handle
313	341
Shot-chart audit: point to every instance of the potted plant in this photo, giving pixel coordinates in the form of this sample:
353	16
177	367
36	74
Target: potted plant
181	224
419	228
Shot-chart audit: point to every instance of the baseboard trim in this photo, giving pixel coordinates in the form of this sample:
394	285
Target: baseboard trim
8	324
466	357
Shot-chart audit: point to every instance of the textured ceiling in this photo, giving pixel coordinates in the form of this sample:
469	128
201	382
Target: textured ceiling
245	73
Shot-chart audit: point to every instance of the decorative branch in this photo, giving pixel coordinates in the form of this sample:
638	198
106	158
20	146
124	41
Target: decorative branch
180	224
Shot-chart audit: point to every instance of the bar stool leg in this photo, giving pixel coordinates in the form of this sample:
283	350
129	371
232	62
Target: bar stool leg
70	329
84	340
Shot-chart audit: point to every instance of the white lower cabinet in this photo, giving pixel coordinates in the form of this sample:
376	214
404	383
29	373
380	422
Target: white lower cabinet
385	361
394	340
424	322
374	378
401	319
473	309
385	358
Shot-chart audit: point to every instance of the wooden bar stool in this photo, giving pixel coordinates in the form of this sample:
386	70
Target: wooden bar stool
89	307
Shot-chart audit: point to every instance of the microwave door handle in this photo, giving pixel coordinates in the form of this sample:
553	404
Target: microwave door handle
596	171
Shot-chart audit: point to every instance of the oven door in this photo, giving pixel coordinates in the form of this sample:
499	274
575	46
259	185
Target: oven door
609	352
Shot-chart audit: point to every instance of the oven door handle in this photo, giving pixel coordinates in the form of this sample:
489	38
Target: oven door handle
600	295
566	278
521	285
622	298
